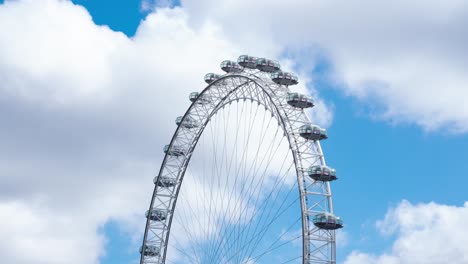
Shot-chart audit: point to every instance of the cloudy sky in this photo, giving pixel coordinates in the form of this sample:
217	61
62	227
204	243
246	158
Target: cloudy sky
89	91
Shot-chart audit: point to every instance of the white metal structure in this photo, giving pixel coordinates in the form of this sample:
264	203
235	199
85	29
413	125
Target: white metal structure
238	234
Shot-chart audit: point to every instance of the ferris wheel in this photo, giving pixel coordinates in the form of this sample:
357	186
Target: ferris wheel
244	178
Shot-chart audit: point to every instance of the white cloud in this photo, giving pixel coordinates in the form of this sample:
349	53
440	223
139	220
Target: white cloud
151	5
408	59
342	238
146	5
425	233
34	234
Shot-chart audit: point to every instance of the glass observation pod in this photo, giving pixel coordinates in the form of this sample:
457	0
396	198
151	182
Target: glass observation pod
174	151
284	78
247	61
230	66
327	221
151	251
322	173
156	215
194	96
211	77
312	132
299	100
267	65
187	123
164	181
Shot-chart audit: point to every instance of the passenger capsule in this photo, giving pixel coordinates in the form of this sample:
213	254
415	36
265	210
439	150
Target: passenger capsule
164	181
327	221
230	66
247	61
312	132
156	215
151	251
322	173
267	65
174	151
299	100
188	122
284	78
211	77
194	96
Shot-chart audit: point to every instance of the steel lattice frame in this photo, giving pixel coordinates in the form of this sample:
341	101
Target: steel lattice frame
315	196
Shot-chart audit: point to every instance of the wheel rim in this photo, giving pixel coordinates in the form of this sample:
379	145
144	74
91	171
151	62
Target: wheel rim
318	245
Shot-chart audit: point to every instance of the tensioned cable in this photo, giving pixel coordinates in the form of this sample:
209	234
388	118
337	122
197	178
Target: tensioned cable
257	199
261	133
272	246
213	121
242	212
248	126
262	230
221	190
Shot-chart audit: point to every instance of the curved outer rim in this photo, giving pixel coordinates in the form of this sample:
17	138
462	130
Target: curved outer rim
285	122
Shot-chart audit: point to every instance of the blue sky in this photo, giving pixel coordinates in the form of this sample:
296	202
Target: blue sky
122	16
387	145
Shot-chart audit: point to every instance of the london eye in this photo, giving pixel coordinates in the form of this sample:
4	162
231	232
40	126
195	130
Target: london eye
244	178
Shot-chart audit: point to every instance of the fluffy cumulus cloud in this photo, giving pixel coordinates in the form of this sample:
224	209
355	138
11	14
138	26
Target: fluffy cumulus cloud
85	112
408	59
425	234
